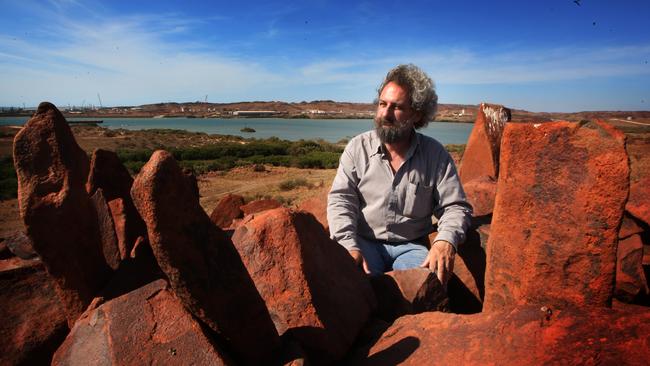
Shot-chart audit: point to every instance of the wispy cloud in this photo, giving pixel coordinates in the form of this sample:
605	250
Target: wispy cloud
144	58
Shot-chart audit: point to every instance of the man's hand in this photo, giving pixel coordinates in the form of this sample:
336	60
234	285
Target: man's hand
441	260
359	260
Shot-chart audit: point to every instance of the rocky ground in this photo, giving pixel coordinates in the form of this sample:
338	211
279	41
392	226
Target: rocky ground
132	270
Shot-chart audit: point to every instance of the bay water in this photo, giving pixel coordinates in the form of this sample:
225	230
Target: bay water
332	130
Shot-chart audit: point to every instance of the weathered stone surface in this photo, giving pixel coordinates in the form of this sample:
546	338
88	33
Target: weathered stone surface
630	277
106	230
466	288
259	206
638	204
522	336
481	156
629	227
148	326
109	174
410	291
313	290
227	210
58	215
317	206
481	192
559	204
204	269
20	245
33	319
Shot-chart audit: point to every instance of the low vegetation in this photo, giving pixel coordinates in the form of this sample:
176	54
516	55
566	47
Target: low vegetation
222	156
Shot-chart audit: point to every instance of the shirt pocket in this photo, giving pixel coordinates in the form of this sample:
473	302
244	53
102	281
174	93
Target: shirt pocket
418	201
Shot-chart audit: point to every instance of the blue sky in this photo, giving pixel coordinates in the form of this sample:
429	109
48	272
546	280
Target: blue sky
552	55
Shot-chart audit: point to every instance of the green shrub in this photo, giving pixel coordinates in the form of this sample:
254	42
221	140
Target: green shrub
290	184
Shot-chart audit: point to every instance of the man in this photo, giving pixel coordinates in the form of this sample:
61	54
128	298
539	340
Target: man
390	182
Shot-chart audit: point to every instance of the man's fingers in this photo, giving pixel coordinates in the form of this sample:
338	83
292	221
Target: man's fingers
442	270
364	265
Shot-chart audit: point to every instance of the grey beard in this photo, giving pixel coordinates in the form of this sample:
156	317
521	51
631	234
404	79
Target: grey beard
392	134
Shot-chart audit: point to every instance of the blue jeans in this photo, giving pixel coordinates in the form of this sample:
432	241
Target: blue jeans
382	256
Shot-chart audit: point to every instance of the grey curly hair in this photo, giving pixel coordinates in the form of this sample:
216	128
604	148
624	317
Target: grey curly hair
420	88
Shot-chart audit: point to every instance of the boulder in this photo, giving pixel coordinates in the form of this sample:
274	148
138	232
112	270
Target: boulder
106	230
629	226
410	291
466	287
638	204
559	204
259	206
317	206
109	174
33	318
203	267
527	335
148	326
311	286
631	281
56	209
481	192
20	245
227	210
481	156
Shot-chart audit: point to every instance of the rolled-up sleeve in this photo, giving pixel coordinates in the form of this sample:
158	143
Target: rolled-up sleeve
343	203
450	205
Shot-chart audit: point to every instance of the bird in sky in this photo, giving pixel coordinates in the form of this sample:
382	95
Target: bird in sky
577	2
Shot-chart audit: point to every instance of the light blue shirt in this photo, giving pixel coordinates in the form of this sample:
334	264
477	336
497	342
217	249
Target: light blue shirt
369	200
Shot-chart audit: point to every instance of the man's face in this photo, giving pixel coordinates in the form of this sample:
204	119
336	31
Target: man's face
394	119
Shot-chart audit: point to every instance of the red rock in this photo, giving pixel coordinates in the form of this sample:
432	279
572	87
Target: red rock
466	288
630	277
313	290
629	227
57	212
20	245
522	336
259	206
410	291
481	192
204	269
638	204
148	326
227	210
481	156
559	204
317	206
109	174
106	230
33	319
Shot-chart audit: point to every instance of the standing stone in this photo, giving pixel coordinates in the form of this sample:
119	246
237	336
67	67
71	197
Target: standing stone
20	245
227	210
109	174
33	319
410	291
638	204
313	290
203	267
259	206
481	156
148	326
106	230
559	204
59	218
317	206
526	335
631	281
